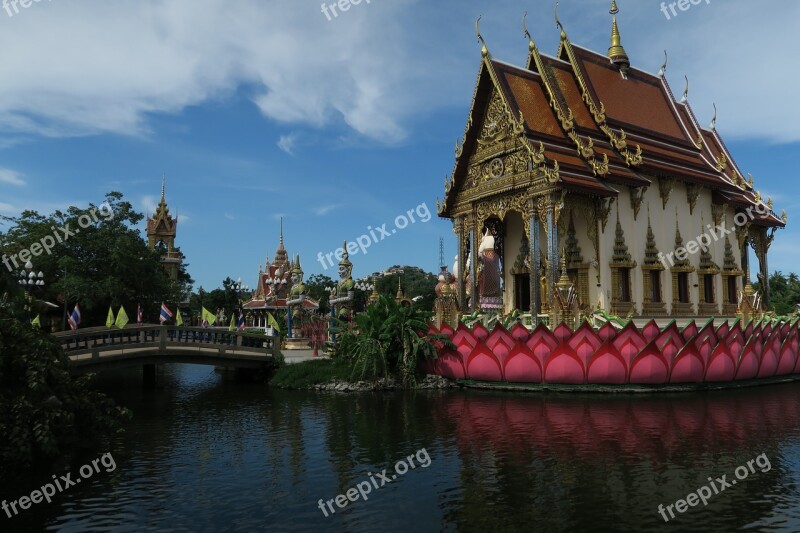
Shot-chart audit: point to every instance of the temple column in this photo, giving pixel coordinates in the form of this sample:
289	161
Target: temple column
534	240
762	242
459	226
552	249
473	273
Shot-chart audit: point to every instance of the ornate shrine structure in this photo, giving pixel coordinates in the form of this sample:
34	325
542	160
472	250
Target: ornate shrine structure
162	228
275	286
583	155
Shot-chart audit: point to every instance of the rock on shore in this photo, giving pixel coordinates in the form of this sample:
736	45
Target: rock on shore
388	384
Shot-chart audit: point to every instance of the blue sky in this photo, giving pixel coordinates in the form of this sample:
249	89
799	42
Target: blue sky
260	109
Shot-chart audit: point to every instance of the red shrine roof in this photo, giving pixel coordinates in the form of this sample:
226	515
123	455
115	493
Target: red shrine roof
581	99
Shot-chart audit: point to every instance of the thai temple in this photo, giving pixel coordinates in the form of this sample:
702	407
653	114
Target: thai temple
581	168
162	228
279	282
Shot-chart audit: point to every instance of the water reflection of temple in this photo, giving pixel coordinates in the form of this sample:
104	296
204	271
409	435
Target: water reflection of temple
603	463
275	282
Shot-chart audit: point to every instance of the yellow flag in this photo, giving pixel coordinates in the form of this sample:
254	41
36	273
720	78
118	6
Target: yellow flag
209	317
122	318
272	321
178	318
110	319
232	327
36	322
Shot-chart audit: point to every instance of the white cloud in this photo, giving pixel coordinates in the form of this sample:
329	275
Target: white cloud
149	204
324	210
229	216
288	142
92	67
11	177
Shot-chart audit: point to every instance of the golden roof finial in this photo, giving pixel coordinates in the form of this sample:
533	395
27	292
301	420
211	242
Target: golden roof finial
784	216
713	124
163	187
663	70
484	49
616	53
531	45
686	90
558	22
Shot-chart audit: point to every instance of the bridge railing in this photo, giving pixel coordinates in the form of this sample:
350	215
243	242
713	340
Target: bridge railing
94	339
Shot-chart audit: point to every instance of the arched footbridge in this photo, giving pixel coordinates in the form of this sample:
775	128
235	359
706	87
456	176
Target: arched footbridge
91	350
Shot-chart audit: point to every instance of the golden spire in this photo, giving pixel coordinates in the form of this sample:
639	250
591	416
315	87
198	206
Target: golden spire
163	188
616	53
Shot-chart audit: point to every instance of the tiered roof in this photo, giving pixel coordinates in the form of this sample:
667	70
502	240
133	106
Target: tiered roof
594	124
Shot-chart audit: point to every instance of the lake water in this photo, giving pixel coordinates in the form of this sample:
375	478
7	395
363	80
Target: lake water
204	453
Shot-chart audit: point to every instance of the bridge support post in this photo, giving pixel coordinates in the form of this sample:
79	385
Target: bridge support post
149	376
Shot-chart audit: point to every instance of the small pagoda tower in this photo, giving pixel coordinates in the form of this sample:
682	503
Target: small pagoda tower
162	228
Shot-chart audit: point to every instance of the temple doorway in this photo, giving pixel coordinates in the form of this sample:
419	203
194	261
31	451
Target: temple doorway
522	292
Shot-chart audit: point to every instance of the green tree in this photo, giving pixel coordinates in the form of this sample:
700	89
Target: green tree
44	412
316	290
388	338
784	293
105	262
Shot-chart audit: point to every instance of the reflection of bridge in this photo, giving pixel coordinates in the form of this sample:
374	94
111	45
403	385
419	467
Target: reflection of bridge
90	350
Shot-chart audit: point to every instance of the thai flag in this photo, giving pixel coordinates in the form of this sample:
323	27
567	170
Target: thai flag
139	318
74	318
240	322
166	314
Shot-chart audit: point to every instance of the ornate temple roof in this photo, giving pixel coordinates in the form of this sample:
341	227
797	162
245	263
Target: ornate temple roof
592	122
162	223
281	268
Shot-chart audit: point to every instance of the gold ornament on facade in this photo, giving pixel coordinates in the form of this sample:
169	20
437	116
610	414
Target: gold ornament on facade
603	210
600	168
718	212
538	155
784	217
722	162
496	167
637	196
692	193
665	186
634	159
752	182
770	203
758	197
553	175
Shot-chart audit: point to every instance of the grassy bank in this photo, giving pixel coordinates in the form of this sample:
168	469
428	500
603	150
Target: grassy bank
309	373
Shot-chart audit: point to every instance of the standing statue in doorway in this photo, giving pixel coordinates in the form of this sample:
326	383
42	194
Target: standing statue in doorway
489	280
